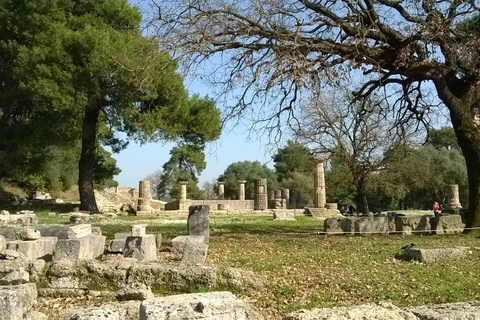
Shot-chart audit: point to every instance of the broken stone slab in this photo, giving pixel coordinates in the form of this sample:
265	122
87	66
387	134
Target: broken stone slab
237	279
138	230
212	305
380	311
125	310
79	218
447	224
198	223
339	225
141	248
283	215
450	311
35	268
322	212
16	301
3	243
158	240
9	254
79	231
436	254
177	244
29	233
116	245
136	291
194	252
373	225
19	276
43	248
85	248
413	224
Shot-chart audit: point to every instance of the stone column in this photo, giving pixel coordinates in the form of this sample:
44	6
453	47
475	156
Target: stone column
183	190
198	222
453	197
261	199
221	190
319	184
144	196
286	197
241	189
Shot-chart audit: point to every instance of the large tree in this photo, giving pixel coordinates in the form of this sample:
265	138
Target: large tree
294	44
357	134
88	72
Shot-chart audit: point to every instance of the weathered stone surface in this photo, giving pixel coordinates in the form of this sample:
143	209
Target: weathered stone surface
198	222
34	268
9	254
213	305
79	231
15	277
38	316
142	248
136	291
321	212
447	224
436	254
139	230
16	301
380	311
237	279
372	225
43	248
89	247
448	311
194	252
116	245
3	243
283	215
177	244
158	240
413	224
29	233
79	218
339	225
115	273
126	310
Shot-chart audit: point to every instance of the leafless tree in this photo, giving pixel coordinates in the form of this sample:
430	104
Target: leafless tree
270	50
360	132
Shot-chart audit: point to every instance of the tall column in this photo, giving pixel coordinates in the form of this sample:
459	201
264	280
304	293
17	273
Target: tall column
286	197
319	184
241	189
221	190
183	190
261	199
453	197
144	196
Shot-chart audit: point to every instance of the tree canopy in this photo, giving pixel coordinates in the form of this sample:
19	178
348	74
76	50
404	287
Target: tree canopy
83	71
280	50
248	171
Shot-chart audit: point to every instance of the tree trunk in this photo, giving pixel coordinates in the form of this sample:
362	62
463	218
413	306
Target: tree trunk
362	201
86	165
463	105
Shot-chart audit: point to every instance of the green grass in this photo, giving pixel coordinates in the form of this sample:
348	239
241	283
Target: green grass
310	270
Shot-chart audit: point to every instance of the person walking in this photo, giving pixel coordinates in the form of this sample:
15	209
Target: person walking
436	207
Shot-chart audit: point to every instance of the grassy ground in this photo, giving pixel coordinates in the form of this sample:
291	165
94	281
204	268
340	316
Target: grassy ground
310	270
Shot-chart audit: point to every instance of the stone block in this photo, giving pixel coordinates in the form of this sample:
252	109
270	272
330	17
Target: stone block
413	224
29	233
447	224
125	310
283	215
24	218
79	218
43	248
139	230
141	248
177	244
86	248
212	305
436	254
198	222
3	243
16	301
194	252
116	245
372	225
15	277
136	291
79	231
447	311
158	240
339	225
